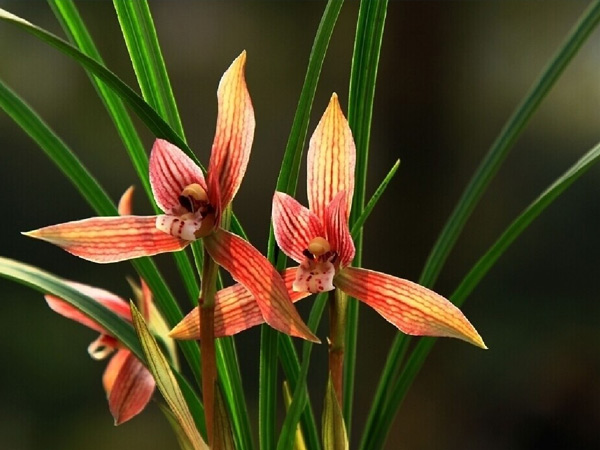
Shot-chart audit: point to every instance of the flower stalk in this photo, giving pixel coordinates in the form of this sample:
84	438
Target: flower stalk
207	340
338	301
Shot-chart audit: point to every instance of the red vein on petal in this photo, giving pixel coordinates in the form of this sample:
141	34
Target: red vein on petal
131	390
412	308
235	311
234	131
170	171
111	301
338	232
110	239
248	266
331	160
294	226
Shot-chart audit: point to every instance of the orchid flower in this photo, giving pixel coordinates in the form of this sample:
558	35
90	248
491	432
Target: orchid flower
192	207
318	238
127	382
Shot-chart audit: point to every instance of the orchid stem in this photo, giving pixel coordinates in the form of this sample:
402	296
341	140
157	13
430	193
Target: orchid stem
337	337
207	340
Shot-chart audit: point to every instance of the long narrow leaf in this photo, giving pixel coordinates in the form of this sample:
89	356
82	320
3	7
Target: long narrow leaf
483	176
166	381
505	141
481	268
152	120
365	61
286	182
73	25
145	112
359	222
71	21
47	283
140	36
144	50
333	427
89	188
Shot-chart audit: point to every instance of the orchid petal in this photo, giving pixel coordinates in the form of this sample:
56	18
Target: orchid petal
112	370
248	266
110	239
330	160
125	207
233	136
131	390
171	171
294	226
338	232
111	301
412	308
314	277
235	311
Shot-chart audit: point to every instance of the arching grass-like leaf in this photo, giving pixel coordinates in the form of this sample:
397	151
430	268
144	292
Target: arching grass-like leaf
286	182
89	188
47	283
363	77
374	436
140	36
166	381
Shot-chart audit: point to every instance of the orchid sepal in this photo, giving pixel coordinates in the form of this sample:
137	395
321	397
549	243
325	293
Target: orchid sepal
261	279
132	388
235	311
110	239
234	134
410	307
331	160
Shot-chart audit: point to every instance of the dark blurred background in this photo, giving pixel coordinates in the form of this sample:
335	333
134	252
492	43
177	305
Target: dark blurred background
451	73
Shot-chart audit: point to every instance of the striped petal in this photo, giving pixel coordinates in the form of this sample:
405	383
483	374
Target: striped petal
338	232
248	266
111	301
233	136
294	226
412	308
110	239
130	387
330	160
235	311
171	171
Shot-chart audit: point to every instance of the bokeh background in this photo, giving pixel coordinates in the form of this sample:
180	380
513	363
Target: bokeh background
451	73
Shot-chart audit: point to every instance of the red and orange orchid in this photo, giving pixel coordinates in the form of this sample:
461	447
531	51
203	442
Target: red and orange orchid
192	207
127	382
318	238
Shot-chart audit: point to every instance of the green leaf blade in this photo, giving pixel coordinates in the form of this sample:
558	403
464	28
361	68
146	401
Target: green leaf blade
363	77
333	428
166	381
47	283
140	36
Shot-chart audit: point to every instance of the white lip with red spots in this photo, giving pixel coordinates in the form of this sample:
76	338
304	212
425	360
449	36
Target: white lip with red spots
315	274
314	277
